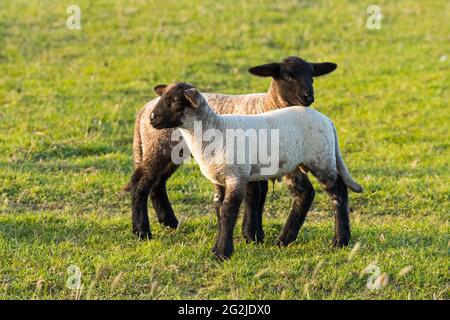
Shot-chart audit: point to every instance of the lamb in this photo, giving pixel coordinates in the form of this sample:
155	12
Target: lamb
307	142
291	84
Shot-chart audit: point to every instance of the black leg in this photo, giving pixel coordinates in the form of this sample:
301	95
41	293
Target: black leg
339	199
303	193
161	204
228	215
251	204
264	187
219	194
140	186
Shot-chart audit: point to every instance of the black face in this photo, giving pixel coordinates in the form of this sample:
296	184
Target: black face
296	82
294	78
170	110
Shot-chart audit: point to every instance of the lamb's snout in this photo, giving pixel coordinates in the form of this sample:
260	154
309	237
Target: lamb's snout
153	120
308	97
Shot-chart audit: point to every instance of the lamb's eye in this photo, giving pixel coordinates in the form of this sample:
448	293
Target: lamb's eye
288	78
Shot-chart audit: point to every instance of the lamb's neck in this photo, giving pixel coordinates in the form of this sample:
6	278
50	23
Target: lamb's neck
205	120
273	99
208	117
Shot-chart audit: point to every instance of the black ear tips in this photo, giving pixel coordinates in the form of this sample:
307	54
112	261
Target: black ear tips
323	68
252	70
328	66
331	66
266	70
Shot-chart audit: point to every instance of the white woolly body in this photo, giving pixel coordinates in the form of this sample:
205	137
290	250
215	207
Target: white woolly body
306	137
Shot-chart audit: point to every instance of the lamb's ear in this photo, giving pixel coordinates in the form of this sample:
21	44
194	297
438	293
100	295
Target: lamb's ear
159	89
266	70
323	68
193	96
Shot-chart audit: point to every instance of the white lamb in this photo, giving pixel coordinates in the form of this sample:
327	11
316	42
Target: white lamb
307	142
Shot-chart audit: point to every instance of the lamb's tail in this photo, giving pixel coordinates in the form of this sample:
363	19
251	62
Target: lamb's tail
342	169
137	146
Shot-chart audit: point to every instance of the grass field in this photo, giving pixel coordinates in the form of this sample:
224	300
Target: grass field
67	104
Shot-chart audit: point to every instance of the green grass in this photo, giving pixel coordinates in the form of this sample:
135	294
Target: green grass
67	105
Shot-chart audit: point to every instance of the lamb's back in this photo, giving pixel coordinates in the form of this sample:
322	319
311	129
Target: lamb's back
236	104
305	135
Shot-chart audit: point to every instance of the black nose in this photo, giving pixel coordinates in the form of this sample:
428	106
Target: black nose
309	97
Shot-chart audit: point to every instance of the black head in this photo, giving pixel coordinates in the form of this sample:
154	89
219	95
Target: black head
174	105
294	78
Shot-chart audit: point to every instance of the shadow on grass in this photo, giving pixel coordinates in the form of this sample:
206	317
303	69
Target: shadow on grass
49	230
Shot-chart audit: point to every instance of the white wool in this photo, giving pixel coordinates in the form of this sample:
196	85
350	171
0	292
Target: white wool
306	137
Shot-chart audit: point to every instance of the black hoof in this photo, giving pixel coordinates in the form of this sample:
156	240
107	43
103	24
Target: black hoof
339	243
260	238
249	237
143	235
170	222
280	243
222	256
222	253
284	242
